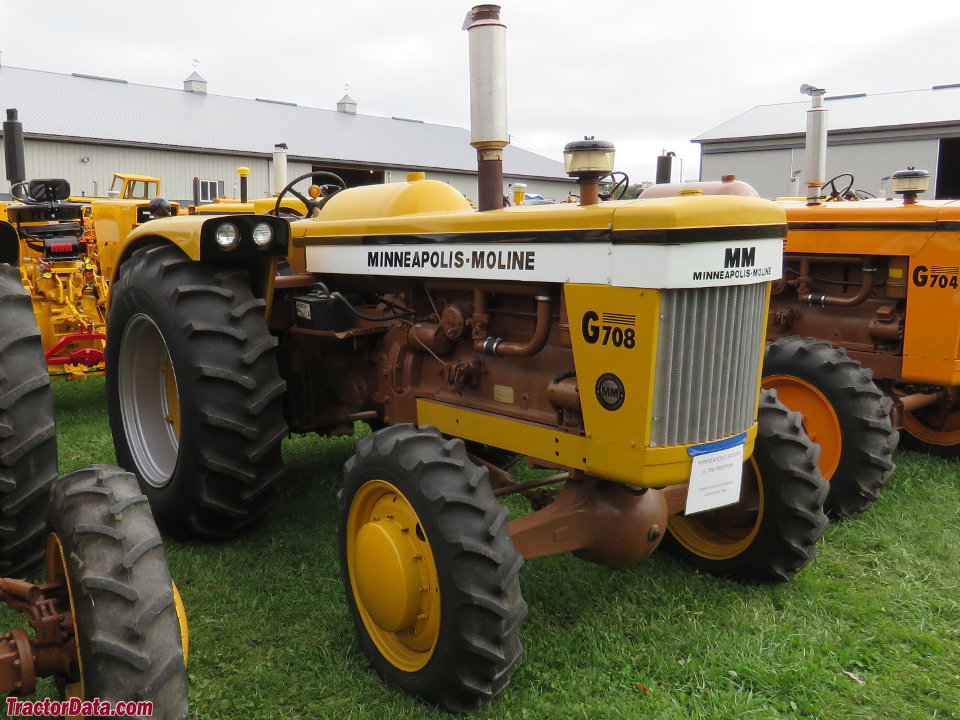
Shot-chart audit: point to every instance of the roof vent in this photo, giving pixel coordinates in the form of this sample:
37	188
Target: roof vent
195	84
98	77
275	102
347	105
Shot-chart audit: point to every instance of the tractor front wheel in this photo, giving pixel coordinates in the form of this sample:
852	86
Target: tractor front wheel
428	567
194	393
28	442
128	623
772	533
934	429
843	411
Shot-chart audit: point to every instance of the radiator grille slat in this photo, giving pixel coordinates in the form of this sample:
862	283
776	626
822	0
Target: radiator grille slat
708	352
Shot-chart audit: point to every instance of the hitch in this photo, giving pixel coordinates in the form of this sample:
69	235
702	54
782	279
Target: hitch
52	650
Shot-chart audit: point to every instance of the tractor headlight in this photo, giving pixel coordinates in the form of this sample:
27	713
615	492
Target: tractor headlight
227	236
262	235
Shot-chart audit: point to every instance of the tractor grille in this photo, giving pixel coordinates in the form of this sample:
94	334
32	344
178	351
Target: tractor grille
708	352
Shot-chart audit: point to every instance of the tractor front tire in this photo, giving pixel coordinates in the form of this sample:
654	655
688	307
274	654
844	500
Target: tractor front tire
28	442
934	429
772	533
428	567
194	393
104	544
843	411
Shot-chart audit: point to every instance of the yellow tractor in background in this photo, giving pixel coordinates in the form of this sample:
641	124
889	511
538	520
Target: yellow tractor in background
60	244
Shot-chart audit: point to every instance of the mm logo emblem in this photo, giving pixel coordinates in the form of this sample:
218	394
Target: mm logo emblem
610	391
739	257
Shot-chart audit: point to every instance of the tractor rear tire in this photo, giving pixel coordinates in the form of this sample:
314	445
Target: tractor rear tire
28	442
428	567
843	411
772	533
104	544
194	393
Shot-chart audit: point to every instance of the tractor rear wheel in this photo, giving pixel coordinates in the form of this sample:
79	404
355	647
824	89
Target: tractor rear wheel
194	393
933	429
428	567
28	443
130	632
772	533
843	411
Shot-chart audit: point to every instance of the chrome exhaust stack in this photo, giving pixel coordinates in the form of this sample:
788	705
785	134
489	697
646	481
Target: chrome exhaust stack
279	167
488	100
815	154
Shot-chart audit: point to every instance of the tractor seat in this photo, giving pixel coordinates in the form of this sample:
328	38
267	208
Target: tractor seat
29	213
68	229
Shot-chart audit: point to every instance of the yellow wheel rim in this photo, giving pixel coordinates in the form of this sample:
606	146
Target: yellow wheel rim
819	418
182	621
726	532
56	567
932	427
171	397
393	575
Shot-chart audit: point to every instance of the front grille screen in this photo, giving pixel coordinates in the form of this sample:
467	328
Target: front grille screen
708	352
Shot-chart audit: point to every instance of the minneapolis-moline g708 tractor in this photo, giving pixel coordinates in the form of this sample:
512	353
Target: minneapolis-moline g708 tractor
617	343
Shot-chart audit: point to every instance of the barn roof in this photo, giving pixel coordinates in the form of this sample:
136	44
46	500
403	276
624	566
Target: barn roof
104	110
935	106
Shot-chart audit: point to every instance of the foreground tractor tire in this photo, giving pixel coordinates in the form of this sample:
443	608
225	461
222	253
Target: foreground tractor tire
28	444
130	633
932	430
843	411
772	533
194	393
429	570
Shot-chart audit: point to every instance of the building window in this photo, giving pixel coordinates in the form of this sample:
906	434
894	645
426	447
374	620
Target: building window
210	189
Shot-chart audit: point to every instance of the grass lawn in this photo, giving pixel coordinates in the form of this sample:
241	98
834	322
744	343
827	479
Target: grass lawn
870	630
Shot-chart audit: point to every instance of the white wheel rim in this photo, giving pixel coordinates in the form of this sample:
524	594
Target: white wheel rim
145	407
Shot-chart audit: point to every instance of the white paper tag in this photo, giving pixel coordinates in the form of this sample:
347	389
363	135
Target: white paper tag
715	479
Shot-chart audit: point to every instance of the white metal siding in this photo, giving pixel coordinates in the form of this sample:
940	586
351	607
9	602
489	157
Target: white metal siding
467	184
176	170
769	171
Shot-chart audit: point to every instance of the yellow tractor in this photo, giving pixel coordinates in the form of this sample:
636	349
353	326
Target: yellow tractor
618	344
59	242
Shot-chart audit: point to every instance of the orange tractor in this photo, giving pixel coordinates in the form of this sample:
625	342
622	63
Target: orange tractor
865	322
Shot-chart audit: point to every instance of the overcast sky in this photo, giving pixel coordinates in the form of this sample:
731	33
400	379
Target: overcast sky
647	75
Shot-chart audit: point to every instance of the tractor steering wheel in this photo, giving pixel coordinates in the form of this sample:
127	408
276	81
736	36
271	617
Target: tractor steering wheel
839	194
621	184
313	204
